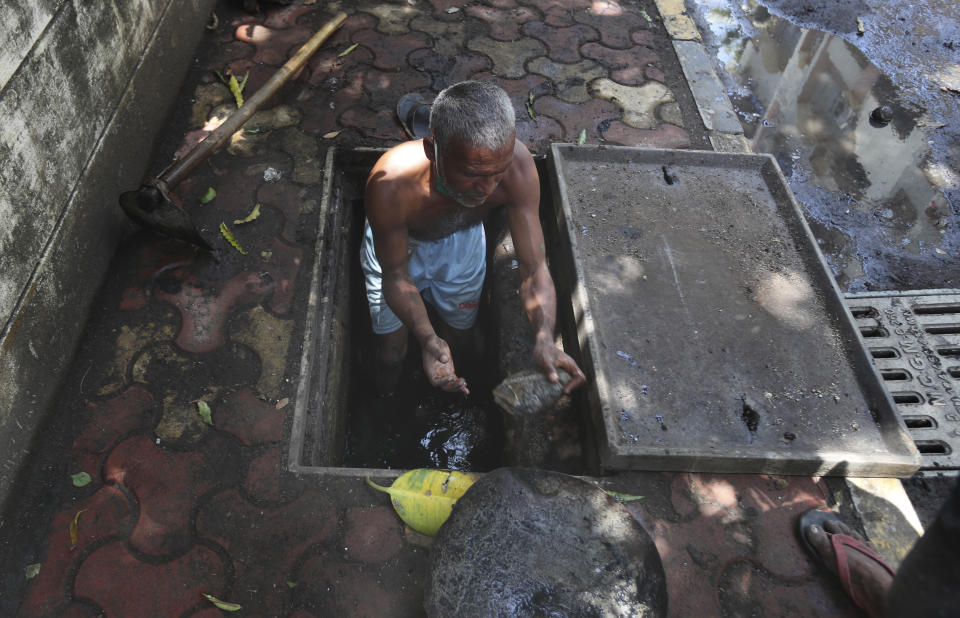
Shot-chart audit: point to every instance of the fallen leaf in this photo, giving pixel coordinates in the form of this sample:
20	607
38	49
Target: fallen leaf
203	408
582	138
291	584
266	255
75	529
623	497
331	134
347	50
530	111
225	231
236	88
861	28
424	498
208	196
224	605
32	570
646	15
452	10
81	479
253	216
282	403
940	251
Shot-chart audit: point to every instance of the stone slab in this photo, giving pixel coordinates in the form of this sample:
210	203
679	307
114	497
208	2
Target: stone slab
712	102
914	339
712	333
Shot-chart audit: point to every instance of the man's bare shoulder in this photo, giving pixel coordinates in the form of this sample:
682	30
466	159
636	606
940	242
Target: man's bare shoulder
405	162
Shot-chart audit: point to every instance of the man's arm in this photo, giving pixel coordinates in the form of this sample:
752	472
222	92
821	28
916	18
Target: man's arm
537	292
390	240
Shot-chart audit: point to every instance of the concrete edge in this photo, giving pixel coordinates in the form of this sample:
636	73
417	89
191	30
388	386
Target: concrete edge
887	515
62	289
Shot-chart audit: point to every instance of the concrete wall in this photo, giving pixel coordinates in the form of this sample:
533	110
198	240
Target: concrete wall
84	88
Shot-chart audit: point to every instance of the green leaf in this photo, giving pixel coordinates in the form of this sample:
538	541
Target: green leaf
208	196
204	409
225	231
623	497
582	138
347	51
32	570
236	88
224	605
291	584
266	255
81	479
253	216
424	498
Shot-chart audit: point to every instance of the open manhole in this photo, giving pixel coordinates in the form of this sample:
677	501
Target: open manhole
340	424
914	339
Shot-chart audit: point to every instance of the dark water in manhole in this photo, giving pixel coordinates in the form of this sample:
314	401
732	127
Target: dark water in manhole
883	199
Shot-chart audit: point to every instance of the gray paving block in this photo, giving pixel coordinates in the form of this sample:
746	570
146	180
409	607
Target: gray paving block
712	333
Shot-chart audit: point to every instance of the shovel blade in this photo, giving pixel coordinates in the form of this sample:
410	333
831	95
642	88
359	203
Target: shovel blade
152	210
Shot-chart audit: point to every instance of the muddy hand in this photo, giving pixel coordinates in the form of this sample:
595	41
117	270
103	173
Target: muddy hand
548	356
438	366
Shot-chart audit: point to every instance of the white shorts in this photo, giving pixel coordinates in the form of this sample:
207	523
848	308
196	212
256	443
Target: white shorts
448	272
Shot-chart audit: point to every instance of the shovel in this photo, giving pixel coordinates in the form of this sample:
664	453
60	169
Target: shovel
151	206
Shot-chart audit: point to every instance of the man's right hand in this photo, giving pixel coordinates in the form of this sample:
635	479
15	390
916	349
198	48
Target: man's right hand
438	366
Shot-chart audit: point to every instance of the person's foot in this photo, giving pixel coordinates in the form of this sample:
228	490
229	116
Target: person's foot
866	578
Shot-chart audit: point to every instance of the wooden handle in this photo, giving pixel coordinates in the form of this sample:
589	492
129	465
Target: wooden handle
183	166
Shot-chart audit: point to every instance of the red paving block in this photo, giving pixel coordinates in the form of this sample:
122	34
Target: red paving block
122	585
167	485
569	5
106	513
250	420
386	87
665	136
446	70
283	267
204	312
558	17
286	198
654	73
504	24
440	9
626	65
563	43
390	52
264	474
273	46
265	543
745	589
647	38
575	117
380	124
287	16
614	24
372	534
113	418
351	590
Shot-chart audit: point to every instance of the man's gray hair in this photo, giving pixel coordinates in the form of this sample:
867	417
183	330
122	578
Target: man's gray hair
474	113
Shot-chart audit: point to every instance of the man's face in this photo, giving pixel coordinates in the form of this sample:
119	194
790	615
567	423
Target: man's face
469	174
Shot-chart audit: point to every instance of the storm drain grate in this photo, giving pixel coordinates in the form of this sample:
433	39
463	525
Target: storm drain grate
914	338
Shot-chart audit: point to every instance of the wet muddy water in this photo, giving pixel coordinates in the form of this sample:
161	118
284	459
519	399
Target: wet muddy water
883	198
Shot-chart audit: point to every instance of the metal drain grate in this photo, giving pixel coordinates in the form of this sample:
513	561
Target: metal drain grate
914	338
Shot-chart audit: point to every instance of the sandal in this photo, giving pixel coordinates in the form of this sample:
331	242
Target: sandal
839	543
413	111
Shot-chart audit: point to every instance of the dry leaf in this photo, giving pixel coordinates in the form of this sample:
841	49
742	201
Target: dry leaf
283	403
940	251
75	529
224	605
331	134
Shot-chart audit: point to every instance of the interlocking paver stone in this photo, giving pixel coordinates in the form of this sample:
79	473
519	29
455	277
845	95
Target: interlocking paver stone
249	419
392	19
166	485
448	38
626	66
112	418
563	43
269	337
390	52
106	513
128	343
120	584
639	103
272	44
503	25
379	124
571	80
508	57
287	17
386	87
264	478
372	534
558	17
575	118
613	23
264	543
569	5
447	70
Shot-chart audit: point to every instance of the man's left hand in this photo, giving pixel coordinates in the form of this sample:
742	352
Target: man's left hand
549	357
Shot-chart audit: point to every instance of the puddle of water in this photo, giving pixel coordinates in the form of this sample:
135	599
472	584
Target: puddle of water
877	195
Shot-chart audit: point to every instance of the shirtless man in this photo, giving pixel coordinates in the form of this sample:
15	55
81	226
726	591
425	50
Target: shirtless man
425	202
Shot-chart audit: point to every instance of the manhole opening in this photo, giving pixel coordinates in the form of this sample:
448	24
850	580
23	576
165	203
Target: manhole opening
347	425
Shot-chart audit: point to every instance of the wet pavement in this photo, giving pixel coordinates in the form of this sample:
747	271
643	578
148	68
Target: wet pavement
883	198
173	506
